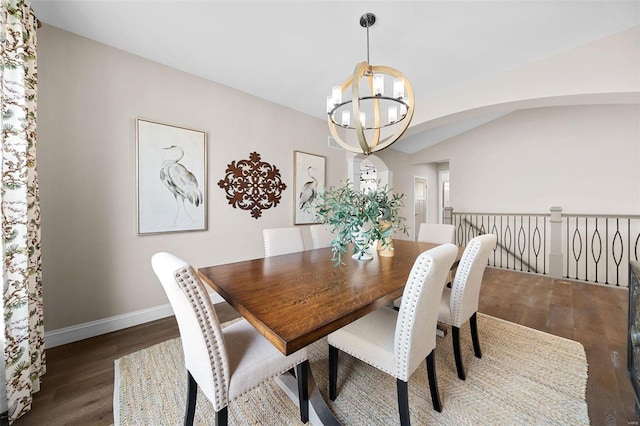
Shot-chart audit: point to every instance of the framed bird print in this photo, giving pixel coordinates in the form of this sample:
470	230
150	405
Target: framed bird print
309	178
171	167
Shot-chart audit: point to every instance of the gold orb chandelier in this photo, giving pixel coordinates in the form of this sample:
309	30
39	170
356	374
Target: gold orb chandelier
362	112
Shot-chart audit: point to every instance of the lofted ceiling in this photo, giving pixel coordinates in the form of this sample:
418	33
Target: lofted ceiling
293	52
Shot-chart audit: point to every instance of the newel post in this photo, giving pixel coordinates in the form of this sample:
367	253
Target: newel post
447	217
556	259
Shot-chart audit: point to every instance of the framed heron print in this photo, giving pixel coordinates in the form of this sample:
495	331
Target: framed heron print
171	167
309	178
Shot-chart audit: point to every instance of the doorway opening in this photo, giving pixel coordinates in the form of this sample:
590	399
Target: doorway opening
443	178
419	203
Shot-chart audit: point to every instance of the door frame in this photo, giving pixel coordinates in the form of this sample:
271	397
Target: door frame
426	200
441	182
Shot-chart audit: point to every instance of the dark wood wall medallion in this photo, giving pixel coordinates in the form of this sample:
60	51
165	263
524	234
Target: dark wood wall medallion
252	185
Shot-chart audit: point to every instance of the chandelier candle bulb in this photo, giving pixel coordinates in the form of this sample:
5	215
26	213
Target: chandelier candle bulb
329	104
346	118
378	84
393	114
363	118
336	94
403	110
398	88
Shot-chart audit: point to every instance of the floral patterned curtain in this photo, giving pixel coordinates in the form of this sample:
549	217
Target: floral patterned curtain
22	313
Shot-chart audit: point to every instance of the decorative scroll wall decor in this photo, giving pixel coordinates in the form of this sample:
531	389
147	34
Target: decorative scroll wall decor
252	185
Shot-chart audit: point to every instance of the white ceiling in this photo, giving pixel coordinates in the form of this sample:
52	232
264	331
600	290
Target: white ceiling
292	53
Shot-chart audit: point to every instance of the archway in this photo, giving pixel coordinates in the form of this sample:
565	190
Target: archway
357	163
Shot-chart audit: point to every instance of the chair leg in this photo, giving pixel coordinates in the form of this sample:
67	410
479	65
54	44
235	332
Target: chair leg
302	371
473	322
221	417
455	336
403	402
333	373
433	381
192	393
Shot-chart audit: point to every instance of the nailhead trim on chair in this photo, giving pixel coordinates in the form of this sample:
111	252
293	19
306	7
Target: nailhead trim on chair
462	274
409	303
207	317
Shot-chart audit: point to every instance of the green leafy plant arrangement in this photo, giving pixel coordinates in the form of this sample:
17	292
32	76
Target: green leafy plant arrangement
361	218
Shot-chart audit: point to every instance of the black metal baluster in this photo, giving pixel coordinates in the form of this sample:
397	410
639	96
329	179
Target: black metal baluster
606	250
576	233
617	236
494	231
544	245
466	230
507	239
567	251
586	248
501	235
596	260
515	239
529	245
521	245
536	239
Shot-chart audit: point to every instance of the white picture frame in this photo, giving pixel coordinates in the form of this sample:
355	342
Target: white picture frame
171	169
309	178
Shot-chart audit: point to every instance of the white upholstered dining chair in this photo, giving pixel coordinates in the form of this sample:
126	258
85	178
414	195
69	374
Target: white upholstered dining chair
320	236
396	342
224	363
459	303
279	241
437	233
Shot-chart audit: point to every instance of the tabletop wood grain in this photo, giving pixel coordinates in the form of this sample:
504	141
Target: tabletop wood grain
298	298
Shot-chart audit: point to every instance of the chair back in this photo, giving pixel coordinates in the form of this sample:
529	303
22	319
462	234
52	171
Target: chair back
321	236
203	344
279	241
415	335
437	233
465	290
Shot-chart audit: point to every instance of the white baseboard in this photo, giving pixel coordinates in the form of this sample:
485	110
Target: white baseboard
74	333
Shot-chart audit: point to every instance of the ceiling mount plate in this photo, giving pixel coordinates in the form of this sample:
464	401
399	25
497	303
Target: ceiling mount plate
367	20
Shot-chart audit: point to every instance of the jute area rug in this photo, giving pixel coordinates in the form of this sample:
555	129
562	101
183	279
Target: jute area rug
524	377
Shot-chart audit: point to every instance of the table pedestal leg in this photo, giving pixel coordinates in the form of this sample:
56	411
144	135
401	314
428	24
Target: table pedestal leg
319	412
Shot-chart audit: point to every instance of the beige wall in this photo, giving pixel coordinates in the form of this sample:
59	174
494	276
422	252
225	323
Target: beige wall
583	158
94	264
96	267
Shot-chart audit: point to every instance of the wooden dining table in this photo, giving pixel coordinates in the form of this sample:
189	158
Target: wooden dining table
298	298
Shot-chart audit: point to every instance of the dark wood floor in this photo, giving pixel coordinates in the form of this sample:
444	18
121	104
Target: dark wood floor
78	386
593	315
